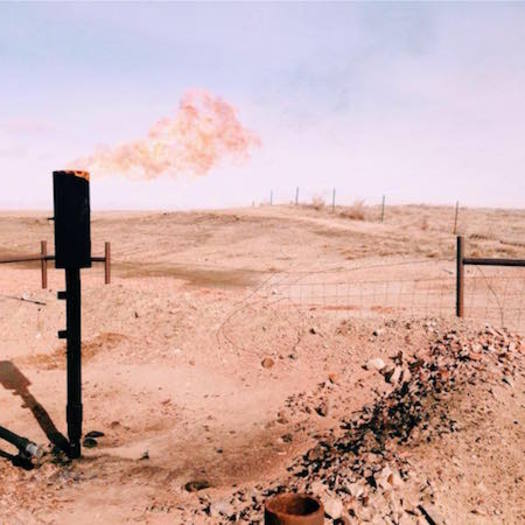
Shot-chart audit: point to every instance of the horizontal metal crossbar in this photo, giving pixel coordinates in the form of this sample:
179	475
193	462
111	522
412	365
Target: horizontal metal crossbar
493	262
30	258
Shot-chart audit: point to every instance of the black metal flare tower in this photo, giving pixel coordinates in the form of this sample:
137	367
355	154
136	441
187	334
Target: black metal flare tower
72	252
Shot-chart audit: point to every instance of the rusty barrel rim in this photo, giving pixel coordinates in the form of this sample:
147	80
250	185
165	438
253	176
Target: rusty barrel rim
294	509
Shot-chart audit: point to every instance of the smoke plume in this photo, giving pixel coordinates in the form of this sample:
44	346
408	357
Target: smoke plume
203	132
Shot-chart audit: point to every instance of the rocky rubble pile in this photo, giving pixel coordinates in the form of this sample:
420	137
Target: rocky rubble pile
362	471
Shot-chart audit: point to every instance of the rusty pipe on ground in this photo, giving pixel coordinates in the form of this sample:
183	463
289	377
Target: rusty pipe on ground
293	509
27	448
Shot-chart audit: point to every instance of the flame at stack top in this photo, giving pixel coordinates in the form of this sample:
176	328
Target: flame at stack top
203	132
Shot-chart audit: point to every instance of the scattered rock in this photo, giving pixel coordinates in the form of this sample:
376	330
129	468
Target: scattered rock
323	409
196	485
318	488
221	508
333	507
89	442
361	466
267	362
396	375
354	489
333	378
375	364
281	419
94	434
507	380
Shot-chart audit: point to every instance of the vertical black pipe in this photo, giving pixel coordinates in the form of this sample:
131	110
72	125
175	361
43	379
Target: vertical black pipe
72	252
74	361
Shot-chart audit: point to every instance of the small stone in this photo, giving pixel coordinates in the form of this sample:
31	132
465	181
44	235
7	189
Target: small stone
381	478
287	438
396	375
94	434
375	364
144	456
323	409
507	380
196	485
318	488
395	480
221	508
333	507
355	489
267	362
333	378
404	519
282	420
90	442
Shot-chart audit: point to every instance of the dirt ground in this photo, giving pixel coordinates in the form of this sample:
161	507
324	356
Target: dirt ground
215	391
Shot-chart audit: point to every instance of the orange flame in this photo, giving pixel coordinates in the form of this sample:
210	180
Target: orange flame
203	132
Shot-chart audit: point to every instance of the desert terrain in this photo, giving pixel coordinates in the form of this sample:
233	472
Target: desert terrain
240	353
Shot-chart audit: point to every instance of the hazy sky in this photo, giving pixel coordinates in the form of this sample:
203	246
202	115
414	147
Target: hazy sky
422	102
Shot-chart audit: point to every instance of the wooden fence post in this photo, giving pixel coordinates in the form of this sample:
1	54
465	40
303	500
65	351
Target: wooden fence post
383	209
43	262
460	277
107	262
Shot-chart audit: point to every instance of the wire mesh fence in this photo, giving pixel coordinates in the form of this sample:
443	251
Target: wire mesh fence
495	296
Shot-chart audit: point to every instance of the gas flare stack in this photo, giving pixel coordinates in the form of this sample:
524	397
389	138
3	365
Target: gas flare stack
72	252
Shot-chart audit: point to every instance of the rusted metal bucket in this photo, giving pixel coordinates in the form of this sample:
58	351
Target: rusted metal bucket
293	509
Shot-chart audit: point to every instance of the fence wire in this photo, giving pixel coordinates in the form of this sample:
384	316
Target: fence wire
495	296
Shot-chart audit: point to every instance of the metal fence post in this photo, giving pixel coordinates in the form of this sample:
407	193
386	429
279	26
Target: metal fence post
456	218
460	278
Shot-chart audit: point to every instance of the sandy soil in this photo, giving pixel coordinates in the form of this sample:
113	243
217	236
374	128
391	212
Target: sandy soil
213	387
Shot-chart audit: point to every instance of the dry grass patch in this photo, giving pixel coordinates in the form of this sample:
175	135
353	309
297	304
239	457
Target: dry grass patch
354	212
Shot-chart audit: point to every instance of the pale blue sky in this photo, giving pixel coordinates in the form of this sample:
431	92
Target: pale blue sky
423	102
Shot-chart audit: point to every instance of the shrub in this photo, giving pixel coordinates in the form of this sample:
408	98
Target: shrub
355	212
317	202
